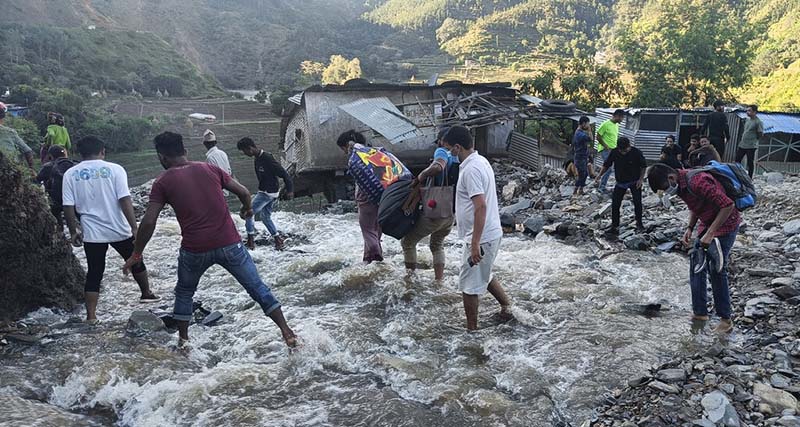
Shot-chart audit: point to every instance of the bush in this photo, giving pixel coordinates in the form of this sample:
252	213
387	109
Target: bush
27	130
279	98
120	133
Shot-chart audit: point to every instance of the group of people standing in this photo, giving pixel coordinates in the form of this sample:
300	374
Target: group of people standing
713	215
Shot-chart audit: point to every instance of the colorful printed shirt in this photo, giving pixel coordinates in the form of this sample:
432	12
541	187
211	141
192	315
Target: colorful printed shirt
706	198
374	169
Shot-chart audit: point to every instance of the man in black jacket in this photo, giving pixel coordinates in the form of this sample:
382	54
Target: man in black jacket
716	127
629	168
268	170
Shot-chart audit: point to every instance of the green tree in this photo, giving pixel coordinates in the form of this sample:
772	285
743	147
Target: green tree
685	52
582	81
27	130
340	70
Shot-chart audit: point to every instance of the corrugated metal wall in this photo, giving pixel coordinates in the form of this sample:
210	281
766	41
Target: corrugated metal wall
525	150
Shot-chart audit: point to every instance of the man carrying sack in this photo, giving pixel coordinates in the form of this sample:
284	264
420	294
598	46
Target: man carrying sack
437	209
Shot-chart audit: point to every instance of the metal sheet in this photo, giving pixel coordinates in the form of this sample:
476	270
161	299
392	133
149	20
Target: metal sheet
383	117
525	150
777	122
297	98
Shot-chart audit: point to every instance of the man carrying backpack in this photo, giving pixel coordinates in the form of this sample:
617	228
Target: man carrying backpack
52	176
719	220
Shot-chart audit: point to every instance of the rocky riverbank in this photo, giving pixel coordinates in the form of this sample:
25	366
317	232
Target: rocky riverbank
751	378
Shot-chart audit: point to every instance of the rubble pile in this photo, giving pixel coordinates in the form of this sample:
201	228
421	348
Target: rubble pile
140	196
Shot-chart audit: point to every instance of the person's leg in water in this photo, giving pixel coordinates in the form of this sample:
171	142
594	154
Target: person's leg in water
266	218
125	250
499	294
409	243
259	201
95	268
437	247
370	231
191	267
238	262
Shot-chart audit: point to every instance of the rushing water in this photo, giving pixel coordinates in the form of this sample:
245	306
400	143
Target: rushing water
378	348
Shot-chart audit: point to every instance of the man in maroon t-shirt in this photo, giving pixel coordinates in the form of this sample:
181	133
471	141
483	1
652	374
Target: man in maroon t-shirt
719	223
194	190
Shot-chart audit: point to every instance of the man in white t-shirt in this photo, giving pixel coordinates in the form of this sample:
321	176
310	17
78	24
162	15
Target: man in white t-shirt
97	191
478	219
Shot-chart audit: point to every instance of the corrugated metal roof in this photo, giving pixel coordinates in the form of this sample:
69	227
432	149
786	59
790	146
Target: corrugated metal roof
777	122
635	111
524	149
297	98
383	117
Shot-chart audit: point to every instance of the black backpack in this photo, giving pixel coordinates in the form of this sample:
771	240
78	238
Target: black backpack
398	199
56	180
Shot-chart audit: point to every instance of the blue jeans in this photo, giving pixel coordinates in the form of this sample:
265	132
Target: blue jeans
263	206
582	166
604	179
719	283
233	258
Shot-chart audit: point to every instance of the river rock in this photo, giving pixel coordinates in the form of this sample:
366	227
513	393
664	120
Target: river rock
792	227
38	268
786	292
522	204
603	211
534	225
789	421
779	381
142	322
671	375
774	399
773	178
719	409
510	190
770	236
703	423
636	242
662	387
761	272
782	281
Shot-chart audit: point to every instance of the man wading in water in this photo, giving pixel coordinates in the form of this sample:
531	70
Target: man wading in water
194	190
719	223
478	220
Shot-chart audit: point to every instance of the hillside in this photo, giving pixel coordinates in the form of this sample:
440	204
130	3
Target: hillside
96	59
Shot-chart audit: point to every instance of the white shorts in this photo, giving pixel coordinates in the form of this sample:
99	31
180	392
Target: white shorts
475	280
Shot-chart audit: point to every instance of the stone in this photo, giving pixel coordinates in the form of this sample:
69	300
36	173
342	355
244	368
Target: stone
709	380
573	208
662	387
779	381
143	322
773	178
782	281
39	266
769	225
770	236
727	388
789	421
507	221
603	211
761	272
792	227
719	409
786	292
638	381
776	400
522	204
671	376
666	246
636	242
534	225
510	190
703	423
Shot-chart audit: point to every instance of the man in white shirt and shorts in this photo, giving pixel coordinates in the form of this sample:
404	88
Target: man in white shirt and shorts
478	220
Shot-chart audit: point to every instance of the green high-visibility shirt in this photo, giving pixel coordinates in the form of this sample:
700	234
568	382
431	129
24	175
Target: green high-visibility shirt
609	131
58	135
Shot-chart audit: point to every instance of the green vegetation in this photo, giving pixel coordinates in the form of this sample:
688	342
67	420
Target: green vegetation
96	60
582	81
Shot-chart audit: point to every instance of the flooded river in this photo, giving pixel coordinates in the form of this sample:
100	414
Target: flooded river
378	348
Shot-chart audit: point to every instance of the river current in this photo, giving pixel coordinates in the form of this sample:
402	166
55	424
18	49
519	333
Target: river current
379	348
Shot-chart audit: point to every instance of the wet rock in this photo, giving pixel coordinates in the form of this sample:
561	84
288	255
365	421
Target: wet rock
773	400
719	409
779	381
671	375
662	387
534	225
143	322
789	421
792	227
636	242
38	266
773	178
786	292
522	204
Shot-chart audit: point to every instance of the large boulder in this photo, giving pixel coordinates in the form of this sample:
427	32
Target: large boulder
38	268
